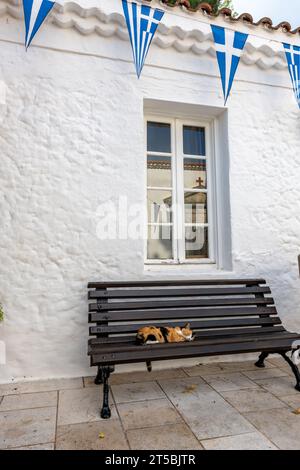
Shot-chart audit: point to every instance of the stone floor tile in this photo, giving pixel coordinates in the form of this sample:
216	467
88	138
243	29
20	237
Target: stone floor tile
202	369
281	364
81	406
229	381
240	366
252	400
124	393
86	436
138	376
36	447
27	427
171	437
281	426
204	410
148	413
279	385
292	400
251	441
265	373
40	386
28	400
186	385
277	361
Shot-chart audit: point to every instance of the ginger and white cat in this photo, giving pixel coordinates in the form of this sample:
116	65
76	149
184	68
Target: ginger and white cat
164	334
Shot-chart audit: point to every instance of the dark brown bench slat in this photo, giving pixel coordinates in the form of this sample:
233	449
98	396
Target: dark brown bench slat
121	347
217	291
179	303
195	325
195	351
203	334
193	312
185	282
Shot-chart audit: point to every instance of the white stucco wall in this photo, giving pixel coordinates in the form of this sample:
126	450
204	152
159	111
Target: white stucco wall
72	137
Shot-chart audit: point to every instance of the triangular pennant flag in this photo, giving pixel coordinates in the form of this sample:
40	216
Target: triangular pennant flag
293	60
142	22
35	12
229	46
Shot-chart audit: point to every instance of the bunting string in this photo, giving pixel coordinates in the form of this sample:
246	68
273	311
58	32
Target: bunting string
142	22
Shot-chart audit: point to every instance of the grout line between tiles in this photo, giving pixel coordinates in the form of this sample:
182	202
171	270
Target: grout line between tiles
120	419
56	421
28	409
139	401
278	398
241	414
29	445
180	414
239	435
40	391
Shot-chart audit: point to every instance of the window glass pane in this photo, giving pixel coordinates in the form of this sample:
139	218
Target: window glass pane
159	171
196	242
195	206
193	140
159	206
195	176
159	244
158	137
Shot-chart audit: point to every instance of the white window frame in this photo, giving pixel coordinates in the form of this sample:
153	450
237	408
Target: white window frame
178	189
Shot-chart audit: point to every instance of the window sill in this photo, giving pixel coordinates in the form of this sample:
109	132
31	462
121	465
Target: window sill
188	268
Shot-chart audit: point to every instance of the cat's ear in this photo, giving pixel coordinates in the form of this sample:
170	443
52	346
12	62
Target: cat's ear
187	326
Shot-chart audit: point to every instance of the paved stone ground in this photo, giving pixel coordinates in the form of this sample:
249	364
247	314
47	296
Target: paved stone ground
215	406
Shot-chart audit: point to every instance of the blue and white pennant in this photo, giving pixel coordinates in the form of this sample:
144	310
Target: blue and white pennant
142	22
35	13
229	46
293	59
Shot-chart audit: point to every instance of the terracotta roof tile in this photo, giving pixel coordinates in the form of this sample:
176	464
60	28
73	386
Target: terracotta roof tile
206	9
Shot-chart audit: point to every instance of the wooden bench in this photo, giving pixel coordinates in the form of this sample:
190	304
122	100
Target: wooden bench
227	316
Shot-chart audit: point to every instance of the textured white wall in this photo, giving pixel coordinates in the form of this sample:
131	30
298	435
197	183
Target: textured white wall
71	138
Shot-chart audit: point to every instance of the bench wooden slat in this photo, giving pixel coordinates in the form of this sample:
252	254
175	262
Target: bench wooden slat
195	351
121	347
192	312
217	291
203	334
195	325
179	303
184	282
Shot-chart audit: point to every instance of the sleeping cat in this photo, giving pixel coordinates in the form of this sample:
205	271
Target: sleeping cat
164	334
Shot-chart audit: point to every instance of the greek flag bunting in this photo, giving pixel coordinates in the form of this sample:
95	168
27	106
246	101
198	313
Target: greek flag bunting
142	22
229	46
293	60
35	12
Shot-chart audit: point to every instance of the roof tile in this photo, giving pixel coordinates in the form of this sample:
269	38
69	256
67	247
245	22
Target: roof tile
206	9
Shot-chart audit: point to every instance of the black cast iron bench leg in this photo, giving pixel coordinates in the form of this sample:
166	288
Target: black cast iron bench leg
294	369
263	357
106	371
261	360
99	379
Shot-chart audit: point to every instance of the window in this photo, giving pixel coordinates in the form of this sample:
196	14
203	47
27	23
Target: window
180	192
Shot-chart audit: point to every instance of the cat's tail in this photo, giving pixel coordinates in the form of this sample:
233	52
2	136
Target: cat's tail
149	366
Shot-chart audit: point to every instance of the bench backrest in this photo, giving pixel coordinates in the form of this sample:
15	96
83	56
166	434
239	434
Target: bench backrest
121	308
